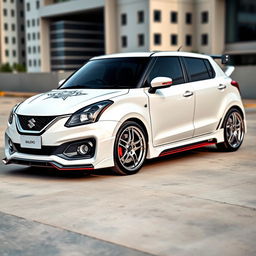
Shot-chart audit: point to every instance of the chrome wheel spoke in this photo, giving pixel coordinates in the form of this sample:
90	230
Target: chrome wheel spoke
133	143
234	129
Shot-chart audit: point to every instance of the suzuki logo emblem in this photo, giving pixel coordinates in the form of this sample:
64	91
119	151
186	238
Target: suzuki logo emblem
31	123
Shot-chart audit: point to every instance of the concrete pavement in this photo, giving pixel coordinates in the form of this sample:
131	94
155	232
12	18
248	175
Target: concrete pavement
201	202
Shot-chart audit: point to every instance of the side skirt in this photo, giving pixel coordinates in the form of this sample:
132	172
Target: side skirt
188	147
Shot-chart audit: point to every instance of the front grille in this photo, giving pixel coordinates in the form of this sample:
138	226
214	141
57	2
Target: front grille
34	123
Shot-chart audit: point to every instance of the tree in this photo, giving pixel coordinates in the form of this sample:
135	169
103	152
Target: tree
6	68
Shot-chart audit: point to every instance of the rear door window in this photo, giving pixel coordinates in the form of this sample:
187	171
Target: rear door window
167	67
197	69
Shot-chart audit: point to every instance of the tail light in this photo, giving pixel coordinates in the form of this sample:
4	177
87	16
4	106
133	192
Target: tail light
236	84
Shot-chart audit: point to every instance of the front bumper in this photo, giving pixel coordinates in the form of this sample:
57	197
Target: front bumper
102	131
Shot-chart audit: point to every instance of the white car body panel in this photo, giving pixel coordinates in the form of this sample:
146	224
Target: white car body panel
170	119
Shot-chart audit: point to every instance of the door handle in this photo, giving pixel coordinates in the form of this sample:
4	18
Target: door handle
188	94
222	86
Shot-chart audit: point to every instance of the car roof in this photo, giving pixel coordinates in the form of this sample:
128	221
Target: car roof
152	54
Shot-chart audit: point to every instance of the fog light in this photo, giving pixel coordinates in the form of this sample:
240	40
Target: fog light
83	149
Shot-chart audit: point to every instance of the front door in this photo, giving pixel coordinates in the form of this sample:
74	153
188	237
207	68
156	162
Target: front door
171	109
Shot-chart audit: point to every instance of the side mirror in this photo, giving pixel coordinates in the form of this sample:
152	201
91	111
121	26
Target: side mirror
160	83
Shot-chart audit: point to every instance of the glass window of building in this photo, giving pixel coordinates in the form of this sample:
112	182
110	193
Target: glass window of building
204	39
174	39
33	22
204	17
140	16
6	40
28	23
37	4
157	39
14	40
174	17
240	21
21	14
12	13
13	53
7	53
124	41
141	40
157	16
5	26
188	40
188	18
13	27
5	12
123	19
28	7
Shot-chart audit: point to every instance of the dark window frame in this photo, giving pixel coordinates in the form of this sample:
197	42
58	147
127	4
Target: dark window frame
204	39
141	40
157	15
140	17
188	18
160	38
188	40
123	19
204	17
190	80
146	83
174	17
124	41
174	39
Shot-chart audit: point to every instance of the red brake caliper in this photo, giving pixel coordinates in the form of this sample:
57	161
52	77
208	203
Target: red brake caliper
120	151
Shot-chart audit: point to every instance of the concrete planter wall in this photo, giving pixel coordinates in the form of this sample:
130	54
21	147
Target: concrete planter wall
42	82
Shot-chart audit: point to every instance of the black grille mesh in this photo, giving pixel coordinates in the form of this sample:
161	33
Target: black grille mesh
39	122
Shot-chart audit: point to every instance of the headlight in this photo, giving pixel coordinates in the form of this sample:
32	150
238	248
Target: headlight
10	119
89	114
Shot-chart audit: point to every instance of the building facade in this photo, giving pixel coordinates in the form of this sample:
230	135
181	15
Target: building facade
63	34
12	32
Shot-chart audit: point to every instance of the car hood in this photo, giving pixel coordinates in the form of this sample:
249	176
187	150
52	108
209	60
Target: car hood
62	102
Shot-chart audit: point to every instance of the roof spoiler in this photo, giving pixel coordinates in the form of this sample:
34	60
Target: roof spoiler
224	58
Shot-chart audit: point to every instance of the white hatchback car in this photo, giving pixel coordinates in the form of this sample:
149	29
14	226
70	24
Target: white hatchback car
118	110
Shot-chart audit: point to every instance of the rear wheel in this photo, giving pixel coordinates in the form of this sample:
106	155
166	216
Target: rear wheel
130	148
233	131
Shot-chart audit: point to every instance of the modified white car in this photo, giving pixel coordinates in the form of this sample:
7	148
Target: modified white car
118	110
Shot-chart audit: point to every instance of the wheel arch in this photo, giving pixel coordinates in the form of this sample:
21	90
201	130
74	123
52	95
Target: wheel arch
238	108
138	121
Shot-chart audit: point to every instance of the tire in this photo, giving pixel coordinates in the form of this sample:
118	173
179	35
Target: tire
130	149
233	131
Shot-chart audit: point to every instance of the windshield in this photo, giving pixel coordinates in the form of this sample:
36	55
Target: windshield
109	73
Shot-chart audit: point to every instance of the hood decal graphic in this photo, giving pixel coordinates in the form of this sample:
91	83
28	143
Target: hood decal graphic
64	94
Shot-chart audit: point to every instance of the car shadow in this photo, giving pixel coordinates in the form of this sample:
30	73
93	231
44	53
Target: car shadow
53	174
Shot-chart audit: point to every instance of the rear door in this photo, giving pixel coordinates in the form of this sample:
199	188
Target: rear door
208	94
171	109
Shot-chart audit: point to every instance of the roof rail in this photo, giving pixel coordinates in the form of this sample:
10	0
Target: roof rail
225	58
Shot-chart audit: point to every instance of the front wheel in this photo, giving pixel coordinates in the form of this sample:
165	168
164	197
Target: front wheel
233	131
130	148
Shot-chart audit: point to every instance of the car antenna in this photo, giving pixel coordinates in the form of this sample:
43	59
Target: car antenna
179	48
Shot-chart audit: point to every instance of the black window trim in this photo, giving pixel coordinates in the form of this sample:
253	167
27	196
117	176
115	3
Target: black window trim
151	66
204	59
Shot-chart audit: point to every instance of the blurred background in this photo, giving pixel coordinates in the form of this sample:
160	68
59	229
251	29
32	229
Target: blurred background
44	41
